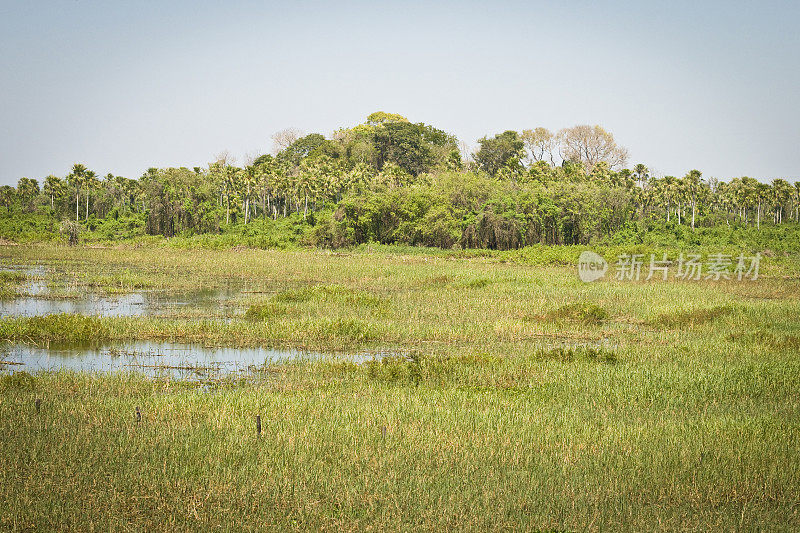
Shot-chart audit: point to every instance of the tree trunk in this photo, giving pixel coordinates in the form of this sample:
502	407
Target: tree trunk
758	216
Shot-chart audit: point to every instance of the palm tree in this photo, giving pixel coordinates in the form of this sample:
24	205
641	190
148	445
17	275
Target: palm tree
52	187
725	198
248	183
759	193
691	185
264	172
781	195
744	192
27	190
76	179
7	196
669	185
797	201
642	174
91	183
230	176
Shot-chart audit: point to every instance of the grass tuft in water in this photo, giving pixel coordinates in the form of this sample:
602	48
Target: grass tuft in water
265	311
62	327
345	329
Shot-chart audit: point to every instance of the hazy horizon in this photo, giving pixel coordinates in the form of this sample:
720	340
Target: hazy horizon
121	88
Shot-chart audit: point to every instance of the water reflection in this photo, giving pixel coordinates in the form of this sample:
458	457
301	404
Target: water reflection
182	361
38	300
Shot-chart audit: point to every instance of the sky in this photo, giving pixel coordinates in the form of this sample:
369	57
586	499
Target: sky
122	87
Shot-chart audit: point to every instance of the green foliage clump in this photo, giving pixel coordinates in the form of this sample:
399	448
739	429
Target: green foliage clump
18	380
691	318
583	312
772	339
395	369
577	353
56	328
265	311
477	283
8	276
29	227
9	282
330	292
345	329
120	281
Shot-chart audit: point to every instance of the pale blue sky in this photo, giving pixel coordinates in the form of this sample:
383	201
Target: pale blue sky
707	85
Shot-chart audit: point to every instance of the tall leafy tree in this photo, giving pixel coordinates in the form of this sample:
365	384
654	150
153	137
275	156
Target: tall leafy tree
541	143
27	191
7	196
504	150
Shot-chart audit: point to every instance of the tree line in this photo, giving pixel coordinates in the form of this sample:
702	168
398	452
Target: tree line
392	181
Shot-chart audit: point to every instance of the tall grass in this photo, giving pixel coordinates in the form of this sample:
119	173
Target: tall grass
522	444
518	398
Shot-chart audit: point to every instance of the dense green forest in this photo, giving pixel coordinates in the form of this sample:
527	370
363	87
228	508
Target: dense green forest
391	181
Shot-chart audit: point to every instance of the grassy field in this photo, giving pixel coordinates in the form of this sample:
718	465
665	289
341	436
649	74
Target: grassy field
520	398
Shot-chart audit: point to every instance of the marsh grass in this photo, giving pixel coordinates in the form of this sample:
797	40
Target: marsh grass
774	340
12	277
61	327
534	402
474	443
332	292
694	317
588	313
9	283
17	381
478	283
123	281
578	353
265	311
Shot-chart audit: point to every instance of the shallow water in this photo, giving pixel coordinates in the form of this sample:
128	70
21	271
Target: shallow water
37	300
156	359
124	305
